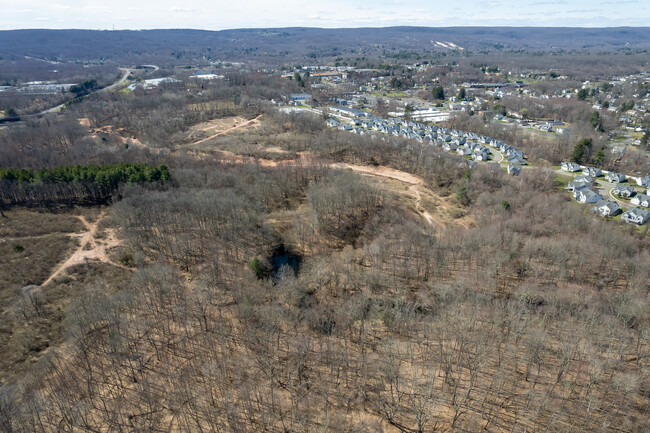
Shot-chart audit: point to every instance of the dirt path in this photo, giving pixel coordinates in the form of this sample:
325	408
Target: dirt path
251	122
418	198
416	185
380	171
90	248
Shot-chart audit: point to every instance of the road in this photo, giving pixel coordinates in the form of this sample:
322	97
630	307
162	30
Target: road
496	154
124	77
126	71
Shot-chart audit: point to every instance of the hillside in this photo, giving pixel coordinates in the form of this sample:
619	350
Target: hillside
184	45
185	252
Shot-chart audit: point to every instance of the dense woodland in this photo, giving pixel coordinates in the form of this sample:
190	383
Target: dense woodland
90	184
513	310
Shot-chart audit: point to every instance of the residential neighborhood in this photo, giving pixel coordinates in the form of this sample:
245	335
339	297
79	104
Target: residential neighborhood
586	187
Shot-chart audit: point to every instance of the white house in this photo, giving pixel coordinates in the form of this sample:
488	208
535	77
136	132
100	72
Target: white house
606	208
300	97
623	190
586	195
514	159
570	166
449	146
636	216
332	122
592	171
480	155
643	181
615	177
580	182
641	200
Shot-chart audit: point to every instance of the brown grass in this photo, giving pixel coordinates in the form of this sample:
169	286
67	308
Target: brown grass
33	244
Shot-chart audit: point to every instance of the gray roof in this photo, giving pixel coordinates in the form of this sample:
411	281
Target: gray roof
609	204
623	188
636	214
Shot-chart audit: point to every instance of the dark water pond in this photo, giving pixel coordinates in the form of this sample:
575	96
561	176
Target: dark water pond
282	257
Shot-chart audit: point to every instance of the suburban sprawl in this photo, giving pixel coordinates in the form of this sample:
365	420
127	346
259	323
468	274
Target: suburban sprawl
356	113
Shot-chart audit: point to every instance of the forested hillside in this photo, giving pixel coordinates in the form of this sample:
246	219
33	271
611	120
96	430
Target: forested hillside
254	270
279	45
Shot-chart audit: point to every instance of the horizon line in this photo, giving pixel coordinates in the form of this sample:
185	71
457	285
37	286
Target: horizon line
323	28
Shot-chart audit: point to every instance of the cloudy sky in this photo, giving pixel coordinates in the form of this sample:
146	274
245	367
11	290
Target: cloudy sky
221	14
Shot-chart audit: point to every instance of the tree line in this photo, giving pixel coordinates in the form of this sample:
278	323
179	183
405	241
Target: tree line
73	184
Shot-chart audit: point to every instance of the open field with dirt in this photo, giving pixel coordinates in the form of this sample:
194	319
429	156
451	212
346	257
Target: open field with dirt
47	258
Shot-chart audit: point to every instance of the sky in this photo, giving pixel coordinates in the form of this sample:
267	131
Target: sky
221	14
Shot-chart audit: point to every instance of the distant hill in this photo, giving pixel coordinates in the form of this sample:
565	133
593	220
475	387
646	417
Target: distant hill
182	46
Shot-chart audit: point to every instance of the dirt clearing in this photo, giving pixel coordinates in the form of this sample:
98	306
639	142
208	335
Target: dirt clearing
220	127
90	248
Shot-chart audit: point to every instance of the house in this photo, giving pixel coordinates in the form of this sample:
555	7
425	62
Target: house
464	150
480	155
449	146
349	112
643	181
570	166
514	159
546	127
606	208
578	188
514	169
592	171
586	195
332	122
636	216
580	182
641	200
615	177
623	190
514	151
300	98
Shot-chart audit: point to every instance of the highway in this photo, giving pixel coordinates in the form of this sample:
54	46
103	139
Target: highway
124	77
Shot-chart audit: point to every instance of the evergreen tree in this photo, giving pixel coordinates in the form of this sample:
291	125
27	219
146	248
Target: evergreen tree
438	93
581	150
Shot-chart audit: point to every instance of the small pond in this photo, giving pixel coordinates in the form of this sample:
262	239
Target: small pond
283	257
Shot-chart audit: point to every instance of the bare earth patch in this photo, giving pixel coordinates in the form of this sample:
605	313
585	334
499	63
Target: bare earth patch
220	127
91	248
